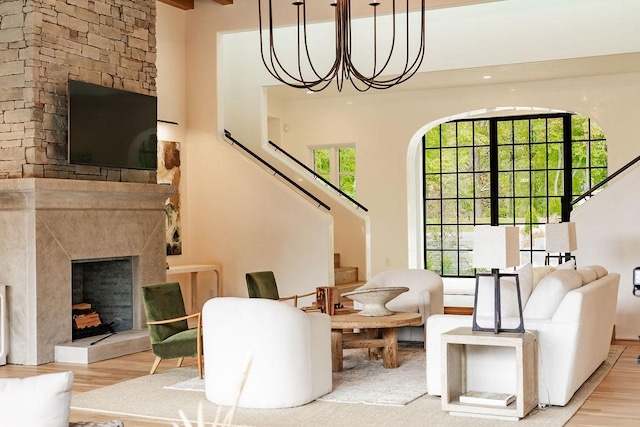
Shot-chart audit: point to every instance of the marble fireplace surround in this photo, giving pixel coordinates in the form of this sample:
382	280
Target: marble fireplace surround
48	223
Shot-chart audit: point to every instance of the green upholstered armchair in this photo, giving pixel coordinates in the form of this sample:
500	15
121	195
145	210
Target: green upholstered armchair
262	284
169	332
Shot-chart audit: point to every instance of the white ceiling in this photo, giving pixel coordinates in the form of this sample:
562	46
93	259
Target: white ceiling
502	74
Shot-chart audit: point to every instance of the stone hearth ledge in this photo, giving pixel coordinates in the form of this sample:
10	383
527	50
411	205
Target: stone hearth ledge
48	223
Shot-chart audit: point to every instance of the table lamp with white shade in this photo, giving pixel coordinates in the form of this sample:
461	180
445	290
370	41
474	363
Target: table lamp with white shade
496	247
560	238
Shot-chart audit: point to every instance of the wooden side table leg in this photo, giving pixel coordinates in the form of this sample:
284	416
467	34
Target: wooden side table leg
336	350
390	352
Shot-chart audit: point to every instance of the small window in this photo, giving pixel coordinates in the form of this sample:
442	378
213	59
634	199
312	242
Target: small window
337	165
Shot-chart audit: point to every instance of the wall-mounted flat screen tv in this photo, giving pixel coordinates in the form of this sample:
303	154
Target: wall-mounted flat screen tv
111	127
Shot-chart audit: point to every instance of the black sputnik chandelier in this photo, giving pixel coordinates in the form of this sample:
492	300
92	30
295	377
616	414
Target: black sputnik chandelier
304	74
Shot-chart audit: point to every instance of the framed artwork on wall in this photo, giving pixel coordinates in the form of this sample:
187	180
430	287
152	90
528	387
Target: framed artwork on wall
169	173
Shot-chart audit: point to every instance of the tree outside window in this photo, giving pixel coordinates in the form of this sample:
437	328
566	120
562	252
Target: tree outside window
337	165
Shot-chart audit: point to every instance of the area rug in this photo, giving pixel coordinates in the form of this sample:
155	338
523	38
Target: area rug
364	381
147	397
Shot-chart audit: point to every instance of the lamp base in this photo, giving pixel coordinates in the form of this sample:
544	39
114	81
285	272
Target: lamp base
497	314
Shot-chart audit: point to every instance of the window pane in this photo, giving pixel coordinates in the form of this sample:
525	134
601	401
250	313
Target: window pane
433	237
522	185
505	135
521	131
466	264
433	211
505	157
465	160
483	211
432	186
481	132
539	183
434	261
449	212
465	134
482	160
465	211
598	175
432	138
483	182
449	134
505	184
579	128
539	156
554	154
599	154
521	157
579	182
348	185
538	130
347	159
539	206
555	209
555	130
449	160
579	154
449	187
465	185
555	184
321	163
523	213
432	161
450	263
450	237
506	211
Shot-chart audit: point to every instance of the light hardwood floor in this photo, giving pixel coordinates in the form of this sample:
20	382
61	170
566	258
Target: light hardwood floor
615	402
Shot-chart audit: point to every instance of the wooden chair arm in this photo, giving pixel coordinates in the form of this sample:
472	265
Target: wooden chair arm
295	297
177	319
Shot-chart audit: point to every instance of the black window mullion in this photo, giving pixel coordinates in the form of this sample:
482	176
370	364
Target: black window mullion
493	170
567	167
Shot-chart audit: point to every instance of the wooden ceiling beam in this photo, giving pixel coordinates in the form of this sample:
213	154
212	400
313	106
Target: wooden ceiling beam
180	4
188	4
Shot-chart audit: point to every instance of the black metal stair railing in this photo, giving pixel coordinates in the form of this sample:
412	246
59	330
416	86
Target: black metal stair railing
604	182
316	176
227	135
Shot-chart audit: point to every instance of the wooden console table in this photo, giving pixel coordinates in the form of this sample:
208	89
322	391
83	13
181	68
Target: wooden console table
454	372
194	270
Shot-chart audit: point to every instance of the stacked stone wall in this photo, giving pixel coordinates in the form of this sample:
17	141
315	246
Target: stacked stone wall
43	44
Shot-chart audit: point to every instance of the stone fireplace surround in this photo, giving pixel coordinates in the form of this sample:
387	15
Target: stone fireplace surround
48	223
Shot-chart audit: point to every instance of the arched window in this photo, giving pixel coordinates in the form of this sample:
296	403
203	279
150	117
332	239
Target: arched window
521	171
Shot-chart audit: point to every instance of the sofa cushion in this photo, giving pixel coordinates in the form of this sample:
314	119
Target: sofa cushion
540	272
588	275
42	400
508	293
547	296
599	270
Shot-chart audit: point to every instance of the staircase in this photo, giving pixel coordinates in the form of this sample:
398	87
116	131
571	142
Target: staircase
345	279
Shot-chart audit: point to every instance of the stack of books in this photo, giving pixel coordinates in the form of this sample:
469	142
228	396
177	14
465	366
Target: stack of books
487	398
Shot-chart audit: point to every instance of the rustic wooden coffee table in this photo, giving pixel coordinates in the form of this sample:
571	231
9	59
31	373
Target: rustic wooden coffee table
368	337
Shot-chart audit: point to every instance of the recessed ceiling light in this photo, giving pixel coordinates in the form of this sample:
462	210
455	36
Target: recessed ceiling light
487	77
349	102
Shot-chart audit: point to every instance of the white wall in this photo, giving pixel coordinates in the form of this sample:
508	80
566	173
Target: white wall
234	213
608	234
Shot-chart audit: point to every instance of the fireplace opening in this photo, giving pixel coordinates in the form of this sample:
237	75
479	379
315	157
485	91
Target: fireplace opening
102	296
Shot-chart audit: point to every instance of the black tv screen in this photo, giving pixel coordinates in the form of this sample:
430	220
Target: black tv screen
112	127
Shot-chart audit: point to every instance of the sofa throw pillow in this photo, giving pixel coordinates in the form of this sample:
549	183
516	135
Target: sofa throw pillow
599	270
508	293
549	293
567	265
42	400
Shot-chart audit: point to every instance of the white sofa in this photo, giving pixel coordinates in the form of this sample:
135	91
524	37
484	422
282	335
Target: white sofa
290	353
572	312
424	296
